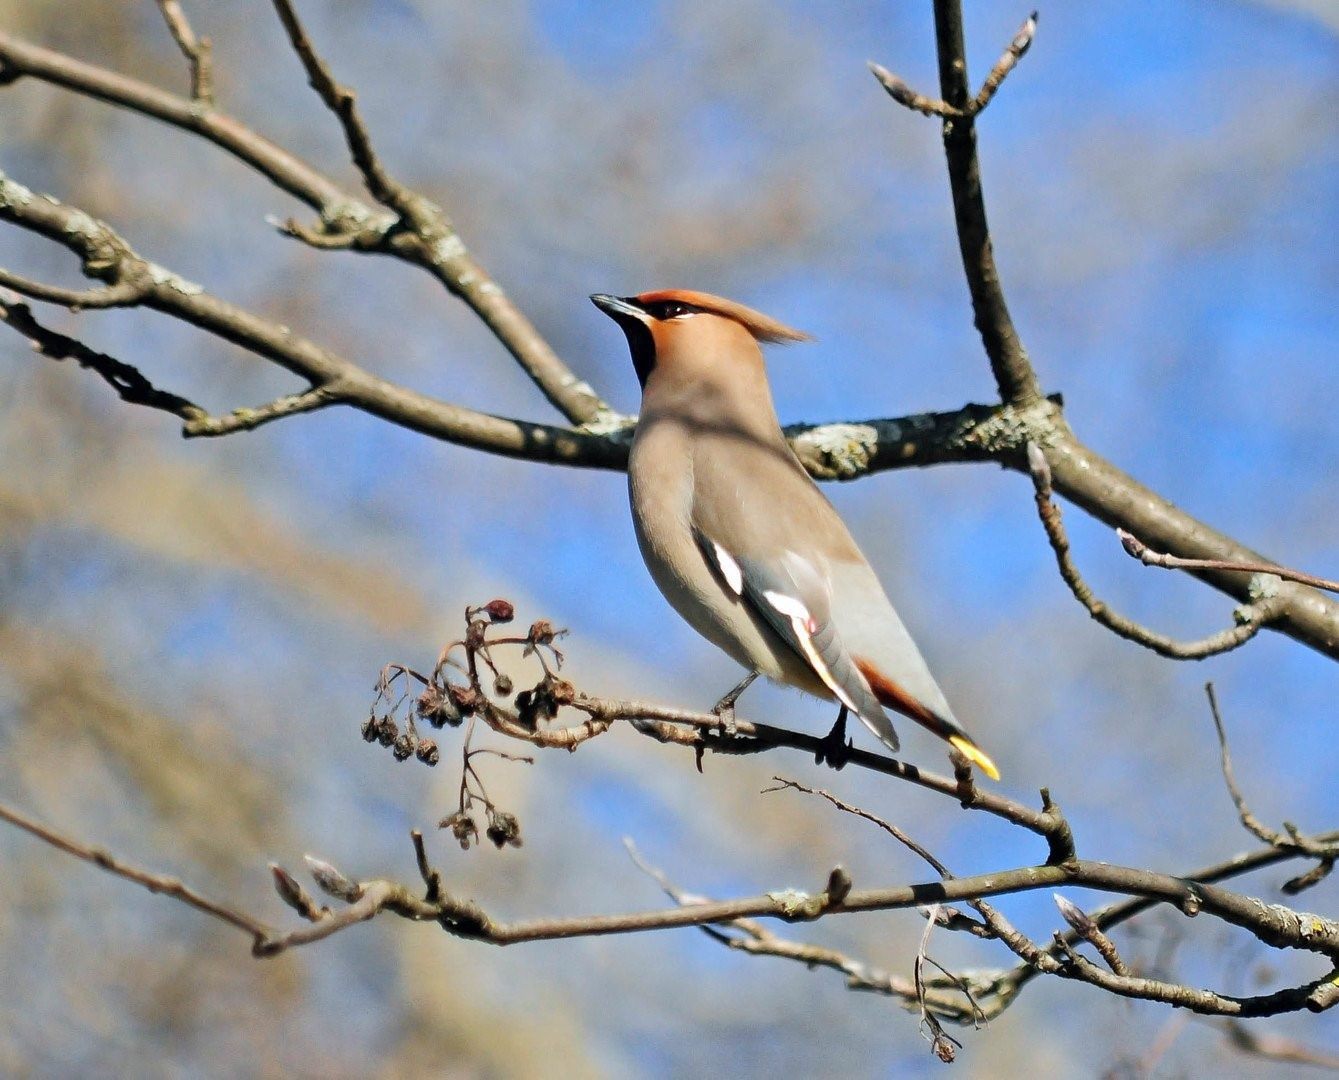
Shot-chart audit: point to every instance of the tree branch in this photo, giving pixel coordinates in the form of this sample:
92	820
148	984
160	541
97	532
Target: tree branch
105	255
155	883
1250	617
1294	840
132	387
430	243
197	50
1014	375
1137	549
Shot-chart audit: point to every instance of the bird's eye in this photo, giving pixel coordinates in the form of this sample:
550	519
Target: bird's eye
670	309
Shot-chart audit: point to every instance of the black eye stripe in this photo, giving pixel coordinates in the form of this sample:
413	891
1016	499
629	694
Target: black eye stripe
670	309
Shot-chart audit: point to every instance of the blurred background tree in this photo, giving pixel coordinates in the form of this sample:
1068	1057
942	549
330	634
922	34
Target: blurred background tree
190	629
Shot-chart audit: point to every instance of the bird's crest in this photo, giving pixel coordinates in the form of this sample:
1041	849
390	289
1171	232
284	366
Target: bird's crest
762	327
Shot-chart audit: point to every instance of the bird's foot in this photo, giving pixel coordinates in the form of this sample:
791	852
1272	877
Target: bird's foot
835	748
724	710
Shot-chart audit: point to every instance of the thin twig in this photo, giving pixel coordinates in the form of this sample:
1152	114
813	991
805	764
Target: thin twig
1293	839
247	419
342	101
1012	54
127	381
197	50
1013	371
758	940
1087	929
892	830
1251	617
120	294
904	95
1136	548
943	1045
155	883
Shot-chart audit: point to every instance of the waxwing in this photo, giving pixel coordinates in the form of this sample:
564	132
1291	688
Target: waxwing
737	535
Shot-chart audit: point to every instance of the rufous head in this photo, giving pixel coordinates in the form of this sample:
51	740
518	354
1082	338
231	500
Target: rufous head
667	324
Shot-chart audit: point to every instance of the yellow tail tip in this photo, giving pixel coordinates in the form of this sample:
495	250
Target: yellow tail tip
975	755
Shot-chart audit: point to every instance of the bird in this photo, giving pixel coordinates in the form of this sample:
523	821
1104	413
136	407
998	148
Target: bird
739	538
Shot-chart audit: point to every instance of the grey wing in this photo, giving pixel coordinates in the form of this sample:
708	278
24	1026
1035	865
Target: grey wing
794	599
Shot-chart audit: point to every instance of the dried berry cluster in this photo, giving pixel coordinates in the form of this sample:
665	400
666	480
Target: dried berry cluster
445	701
503	827
404	744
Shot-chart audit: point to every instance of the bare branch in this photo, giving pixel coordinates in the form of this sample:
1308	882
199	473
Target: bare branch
197	50
155	883
1146	555
429	241
127	381
1277	1047
1293	840
445	250
1250	617
319	397
121	294
1087	929
1090	481
465	919
1315	996
750	738
1112	496
906	96
1014	375
342	101
757	940
333	378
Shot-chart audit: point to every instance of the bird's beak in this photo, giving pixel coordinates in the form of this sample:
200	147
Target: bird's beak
618	308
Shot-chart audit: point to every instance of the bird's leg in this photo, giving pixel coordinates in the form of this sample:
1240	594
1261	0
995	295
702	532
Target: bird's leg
725	708
835	748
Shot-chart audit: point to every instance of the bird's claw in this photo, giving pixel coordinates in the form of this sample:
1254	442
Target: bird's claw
726	715
834	752
724	710
835	748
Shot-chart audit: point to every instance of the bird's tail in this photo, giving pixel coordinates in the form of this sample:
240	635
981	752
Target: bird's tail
942	724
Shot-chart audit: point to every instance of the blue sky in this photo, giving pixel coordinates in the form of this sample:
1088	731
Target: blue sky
1160	180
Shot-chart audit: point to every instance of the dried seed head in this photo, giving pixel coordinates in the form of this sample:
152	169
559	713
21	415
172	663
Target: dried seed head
387	731
427	752
462	828
562	692
502	685
503	829
436	707
371	728
464	698
404	747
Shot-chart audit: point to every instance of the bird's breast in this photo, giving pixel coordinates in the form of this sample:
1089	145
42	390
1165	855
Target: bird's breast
661	487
